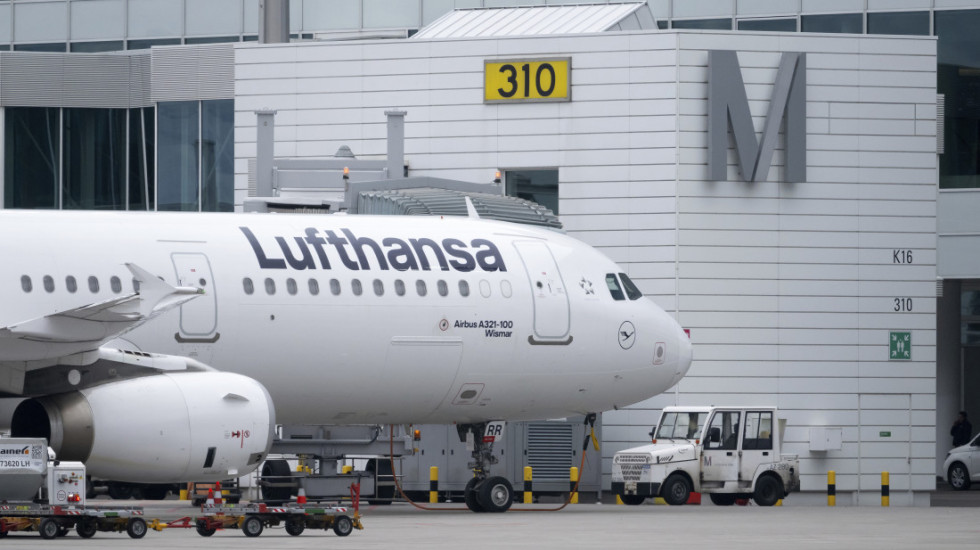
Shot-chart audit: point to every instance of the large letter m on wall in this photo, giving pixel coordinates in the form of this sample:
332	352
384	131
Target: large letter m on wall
729	106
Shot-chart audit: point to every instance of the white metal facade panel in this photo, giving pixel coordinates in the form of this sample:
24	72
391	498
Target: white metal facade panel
789	289
192	73
34	79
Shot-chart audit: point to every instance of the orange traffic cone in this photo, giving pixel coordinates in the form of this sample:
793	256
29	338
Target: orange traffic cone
218	499
301	497
210	501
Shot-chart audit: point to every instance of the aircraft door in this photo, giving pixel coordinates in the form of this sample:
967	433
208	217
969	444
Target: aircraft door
551	310
720	459
198	317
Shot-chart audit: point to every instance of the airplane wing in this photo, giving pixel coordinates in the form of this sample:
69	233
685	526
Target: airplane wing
41	341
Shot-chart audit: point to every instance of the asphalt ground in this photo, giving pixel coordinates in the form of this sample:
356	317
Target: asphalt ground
400	526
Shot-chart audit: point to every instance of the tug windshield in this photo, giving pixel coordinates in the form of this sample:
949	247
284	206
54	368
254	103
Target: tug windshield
681	425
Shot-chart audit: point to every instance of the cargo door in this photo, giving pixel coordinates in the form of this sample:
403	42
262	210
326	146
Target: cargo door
198	317
551	310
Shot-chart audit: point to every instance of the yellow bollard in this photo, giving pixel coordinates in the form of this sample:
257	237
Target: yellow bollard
183	494
619	500
573	482
433	484
884	489
831	488
527	485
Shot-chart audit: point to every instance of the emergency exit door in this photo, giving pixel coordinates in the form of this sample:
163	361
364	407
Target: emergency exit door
198	317
551	310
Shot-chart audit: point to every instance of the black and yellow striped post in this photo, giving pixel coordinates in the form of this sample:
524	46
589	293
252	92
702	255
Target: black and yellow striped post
884	489
572	485
433	484
527	485
831	488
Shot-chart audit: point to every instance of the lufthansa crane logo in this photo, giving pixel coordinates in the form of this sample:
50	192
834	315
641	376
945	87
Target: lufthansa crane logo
627	335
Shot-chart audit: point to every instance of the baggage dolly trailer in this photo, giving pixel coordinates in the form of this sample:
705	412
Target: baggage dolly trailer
53	521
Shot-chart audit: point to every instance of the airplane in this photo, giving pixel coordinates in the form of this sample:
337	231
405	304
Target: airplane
164	347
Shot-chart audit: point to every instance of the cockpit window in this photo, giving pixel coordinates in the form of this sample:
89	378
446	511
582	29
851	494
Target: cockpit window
631	291
613	284
681	425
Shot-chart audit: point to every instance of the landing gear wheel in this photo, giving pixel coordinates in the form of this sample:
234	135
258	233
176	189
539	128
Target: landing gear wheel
342	526
278	472
136	528
959	478
632	500
768	491
154	492
86	528
676	490
252	526
204	530
496	494
295	527
49	528
722	499
120	491
470	495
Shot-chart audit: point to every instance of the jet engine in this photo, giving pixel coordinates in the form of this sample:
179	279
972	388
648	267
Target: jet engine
162	428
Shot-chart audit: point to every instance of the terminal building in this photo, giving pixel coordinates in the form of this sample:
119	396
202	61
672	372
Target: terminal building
797	182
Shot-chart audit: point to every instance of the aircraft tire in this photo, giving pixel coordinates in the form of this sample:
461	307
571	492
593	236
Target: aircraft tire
471	494
496	494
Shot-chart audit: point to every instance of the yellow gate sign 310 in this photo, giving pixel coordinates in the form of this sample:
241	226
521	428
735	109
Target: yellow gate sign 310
518	80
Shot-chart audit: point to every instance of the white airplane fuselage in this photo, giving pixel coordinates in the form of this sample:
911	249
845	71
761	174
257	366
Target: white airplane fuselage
456	319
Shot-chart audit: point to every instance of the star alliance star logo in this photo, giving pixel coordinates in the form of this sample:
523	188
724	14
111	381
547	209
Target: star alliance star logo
587	286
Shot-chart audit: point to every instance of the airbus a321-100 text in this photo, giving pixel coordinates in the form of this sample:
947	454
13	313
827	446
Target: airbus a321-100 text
160	348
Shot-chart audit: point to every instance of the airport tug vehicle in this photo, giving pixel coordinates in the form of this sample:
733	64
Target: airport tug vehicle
728	453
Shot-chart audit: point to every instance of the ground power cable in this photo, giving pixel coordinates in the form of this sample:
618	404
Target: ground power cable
391	456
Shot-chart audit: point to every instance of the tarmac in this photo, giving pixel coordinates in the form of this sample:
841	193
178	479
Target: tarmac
400	526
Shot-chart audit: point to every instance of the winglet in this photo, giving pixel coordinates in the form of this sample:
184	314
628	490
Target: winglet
154	290
470	209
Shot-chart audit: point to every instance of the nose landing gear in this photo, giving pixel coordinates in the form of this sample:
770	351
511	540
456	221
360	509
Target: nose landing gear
484	493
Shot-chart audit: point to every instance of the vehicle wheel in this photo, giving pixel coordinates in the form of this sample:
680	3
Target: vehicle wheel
768	491
252	526
136	528
496	494
155	492
676	490
471	494
722	499
120	491
295	527
342	525
86	528
63	531
382	469
959	477
49	528
204	530
632	500
278	470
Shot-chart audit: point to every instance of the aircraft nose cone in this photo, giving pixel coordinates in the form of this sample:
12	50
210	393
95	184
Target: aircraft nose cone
685	354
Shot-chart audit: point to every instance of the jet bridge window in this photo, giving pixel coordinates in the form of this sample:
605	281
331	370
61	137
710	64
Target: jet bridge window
443	288
248	286
71	284
93	284
291	287
26	284
314	287
399	287
613	284
115	284
48	283
632	292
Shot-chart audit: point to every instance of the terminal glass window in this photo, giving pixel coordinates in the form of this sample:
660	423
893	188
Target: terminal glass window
95	47
32	149
776	25
900	22
958	79
970	317
141	146
838	22
722	24
218	156
94	159
540	186
177	168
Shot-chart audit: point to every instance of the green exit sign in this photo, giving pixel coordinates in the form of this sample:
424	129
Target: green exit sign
884	434
899	346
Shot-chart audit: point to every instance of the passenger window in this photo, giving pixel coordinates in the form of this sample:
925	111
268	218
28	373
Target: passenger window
443	287
485	288
48	283
420	287
270	287
464	289
632	292
314	287
355	287
115	284
399	287
614	288
26	284
93	284
379	287
71	284
335	287
247	286
291	287
506	289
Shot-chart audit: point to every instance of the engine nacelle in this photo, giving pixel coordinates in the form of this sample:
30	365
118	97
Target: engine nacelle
164	428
